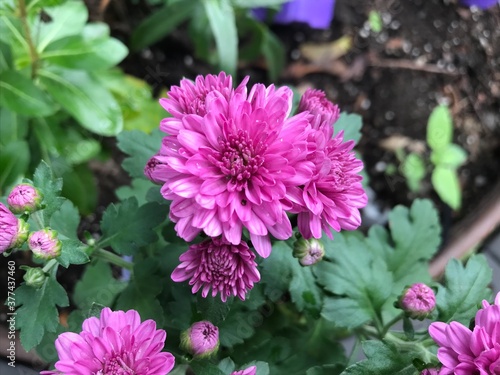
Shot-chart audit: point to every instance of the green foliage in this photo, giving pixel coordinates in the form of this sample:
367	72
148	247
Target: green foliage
50	187
140	147
351	124
446	183
439	128
413	169
14	161
376	24
464	289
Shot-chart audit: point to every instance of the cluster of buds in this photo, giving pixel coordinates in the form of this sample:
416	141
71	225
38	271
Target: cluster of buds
417	301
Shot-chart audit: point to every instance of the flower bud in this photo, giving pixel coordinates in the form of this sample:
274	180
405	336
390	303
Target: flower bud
417	301
252	370
201	339
324	112
430	371
34	277
24	198
155	169
308	252
13	231
45	244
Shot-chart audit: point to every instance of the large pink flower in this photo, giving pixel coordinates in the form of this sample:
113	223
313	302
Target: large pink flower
466	352
117	343
233	166
215	263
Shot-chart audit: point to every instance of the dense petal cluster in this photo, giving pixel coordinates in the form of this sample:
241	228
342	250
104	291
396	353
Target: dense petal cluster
215	263
13	231
115	344
462	351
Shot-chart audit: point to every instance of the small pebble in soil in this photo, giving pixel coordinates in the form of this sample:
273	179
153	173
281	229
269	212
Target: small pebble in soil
295	54
395	25
389	115
381	166
428	47
366	104
188	60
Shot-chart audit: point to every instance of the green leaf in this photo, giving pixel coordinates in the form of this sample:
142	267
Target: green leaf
85	99
139	189
334	369
375	21
452	156
14	161
5	56
72	253
222	22
445	182
65	20
464	289
161	23
273	51
351	124
80	187
97	285
50	187
38	313
227	365
66	220
282	272
413	169
205	367
212	308
383	359
14	127
141	147
439	128
257	3
126	227
19	94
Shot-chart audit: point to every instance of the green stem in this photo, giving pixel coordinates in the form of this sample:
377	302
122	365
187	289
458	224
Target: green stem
391	323
112	258
51	263
353	357
38	218
32	50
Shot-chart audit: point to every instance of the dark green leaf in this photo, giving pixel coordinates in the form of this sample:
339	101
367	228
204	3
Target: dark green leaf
126	226
139	189
212	308
81	188
97	285
351	124
205	367
222	22
439	128
141	147
65	220
73	252
445	182
464	289
326	370
50	187
38	313
345	312
14	161
227	365
237	327
14	127
85	99
161	23
19	94
5	56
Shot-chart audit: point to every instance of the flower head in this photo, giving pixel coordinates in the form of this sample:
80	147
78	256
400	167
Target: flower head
115	344
13	231
24	198
418	301
462	351
252	370
309	252
44	244
201	339
215	263
324	112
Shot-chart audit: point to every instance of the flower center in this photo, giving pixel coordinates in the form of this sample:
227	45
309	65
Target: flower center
218	265
197	106
240	159
116	366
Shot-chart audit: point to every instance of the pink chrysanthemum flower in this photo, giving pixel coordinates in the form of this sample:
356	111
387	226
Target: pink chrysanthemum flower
13	231
466	352
252	370
117	343
324	112
233	167
215	263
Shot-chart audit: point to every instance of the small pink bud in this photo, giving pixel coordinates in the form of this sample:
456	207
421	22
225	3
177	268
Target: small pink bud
308	252
155	169
13	231
44	244
418	301
252	370
430	371
201	339
324	111
24	198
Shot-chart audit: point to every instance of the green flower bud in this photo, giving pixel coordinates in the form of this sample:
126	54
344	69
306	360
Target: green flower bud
308	252
34	277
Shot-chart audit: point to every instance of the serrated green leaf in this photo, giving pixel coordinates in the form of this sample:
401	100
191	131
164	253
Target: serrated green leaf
38	313
383	359
126	226
14	161
351	124
66	220
212	308
346	312
223	24
413	169
205	367
464	289
141	147
50	187
451	156
72	252
439	128
19	94
97	285
85	99
235	329
139	189
445	182
161	23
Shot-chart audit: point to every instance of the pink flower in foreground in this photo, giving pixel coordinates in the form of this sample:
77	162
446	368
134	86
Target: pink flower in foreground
215	263
465	352
13	231
252	370
24	198
116	343
418	301
233	167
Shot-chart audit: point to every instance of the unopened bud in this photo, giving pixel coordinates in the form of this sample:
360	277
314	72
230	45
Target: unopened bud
417	301
430	371
252	370
34	277
44	244
201	339
24	198
308	252
324	112
13	231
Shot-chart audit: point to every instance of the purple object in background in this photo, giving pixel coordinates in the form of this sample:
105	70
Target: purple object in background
317	13
483	4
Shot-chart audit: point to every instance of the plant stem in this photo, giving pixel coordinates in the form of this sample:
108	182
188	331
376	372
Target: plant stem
391	323
113	259
51	263
38	218
27	32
